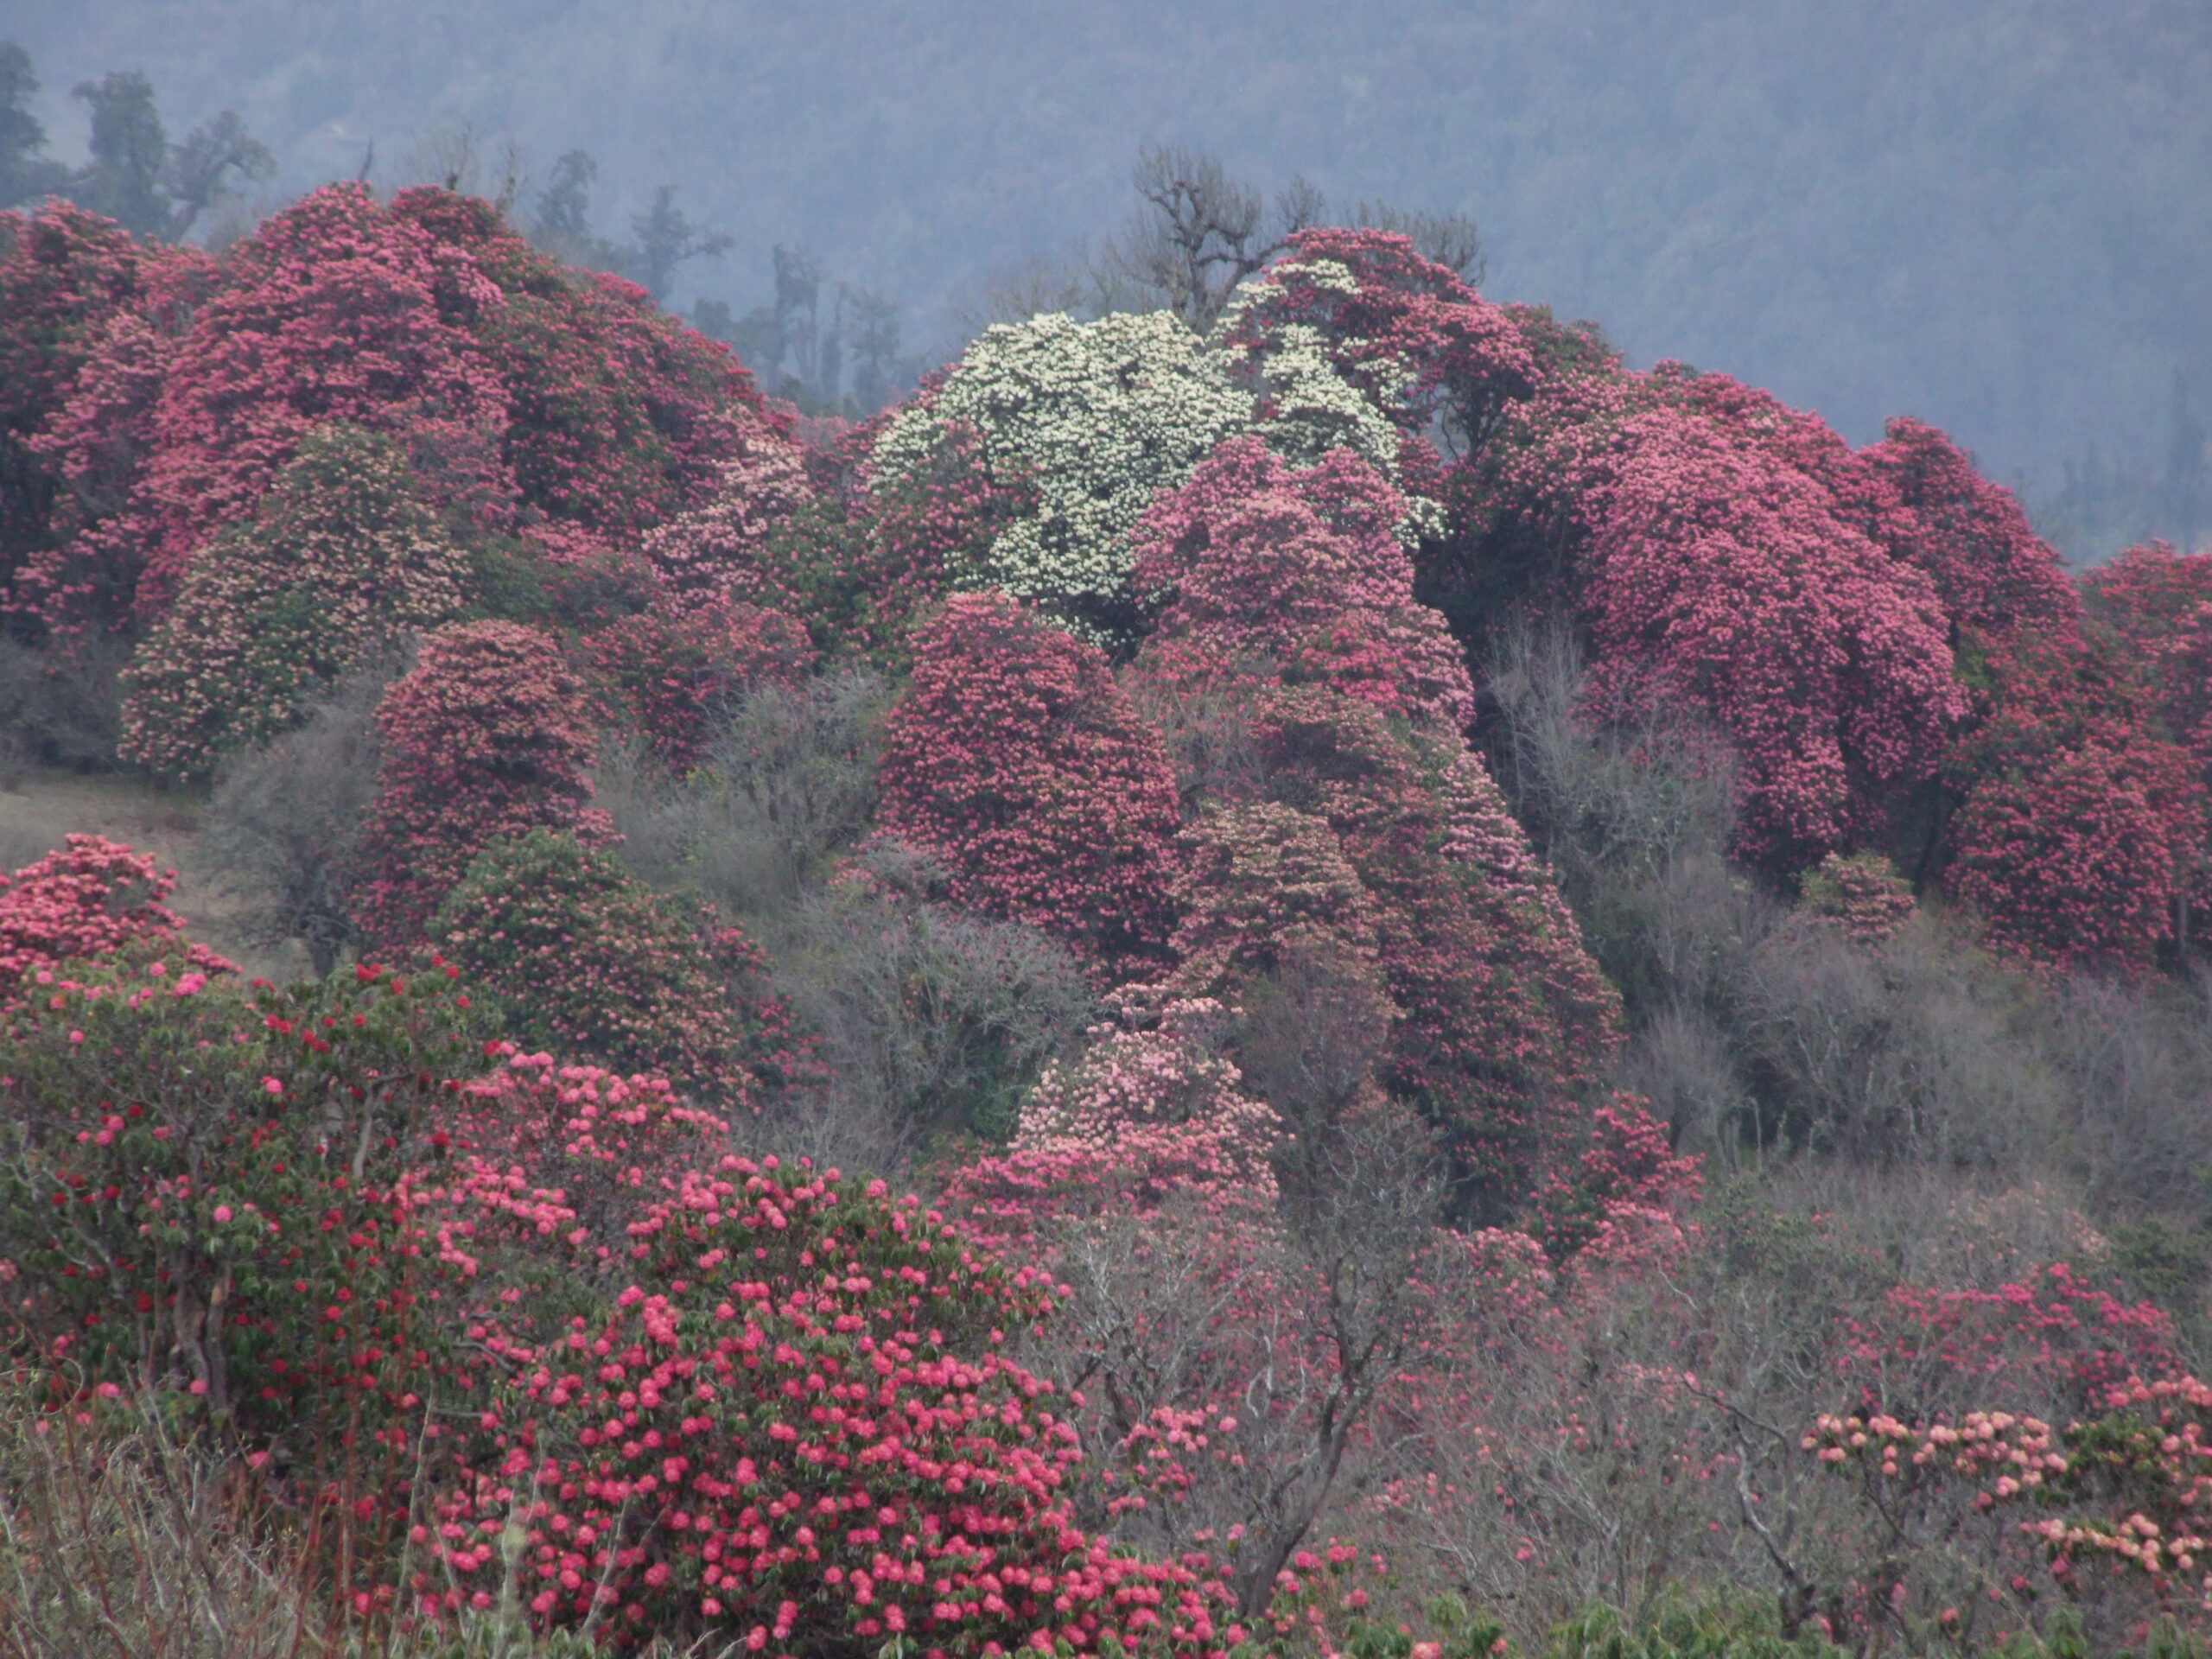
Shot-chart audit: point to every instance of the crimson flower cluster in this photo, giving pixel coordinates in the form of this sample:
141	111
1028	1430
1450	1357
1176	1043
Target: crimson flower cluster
1017	762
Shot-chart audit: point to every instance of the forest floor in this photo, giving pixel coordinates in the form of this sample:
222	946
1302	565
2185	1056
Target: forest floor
41	806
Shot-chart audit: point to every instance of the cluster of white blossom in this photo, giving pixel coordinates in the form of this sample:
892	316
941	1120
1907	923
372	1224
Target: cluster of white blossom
1100	416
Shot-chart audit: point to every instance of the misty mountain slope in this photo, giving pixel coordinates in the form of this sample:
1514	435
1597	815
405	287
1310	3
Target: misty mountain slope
1990	214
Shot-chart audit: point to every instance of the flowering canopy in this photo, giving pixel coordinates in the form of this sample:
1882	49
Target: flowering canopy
1097	416
1016	761
486	737
339	557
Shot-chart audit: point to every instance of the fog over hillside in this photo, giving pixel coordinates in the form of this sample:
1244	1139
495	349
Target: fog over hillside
1991	213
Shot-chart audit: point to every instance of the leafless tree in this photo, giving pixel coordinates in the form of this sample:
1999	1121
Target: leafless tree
1200	232
282	829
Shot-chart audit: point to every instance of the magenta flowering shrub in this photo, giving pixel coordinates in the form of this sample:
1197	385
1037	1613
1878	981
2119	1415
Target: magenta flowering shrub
669	669
1505	1017
1625	1171
340	558
2077	823
794	1427
1719	581
90	899
593	963
720	546
1015	760
2075	864
487	736
199	1196
521	397
1253	559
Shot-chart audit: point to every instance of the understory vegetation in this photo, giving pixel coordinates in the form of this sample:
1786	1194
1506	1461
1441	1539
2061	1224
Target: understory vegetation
1311	974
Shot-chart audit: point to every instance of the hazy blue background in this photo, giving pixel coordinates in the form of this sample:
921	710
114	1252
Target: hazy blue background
1994	213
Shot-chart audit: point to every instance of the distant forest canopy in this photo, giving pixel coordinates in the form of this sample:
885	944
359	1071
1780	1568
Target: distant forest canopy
1987	214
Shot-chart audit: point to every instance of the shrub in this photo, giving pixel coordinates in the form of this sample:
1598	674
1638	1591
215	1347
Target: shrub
618	417
68	278
484	737
1862	894
59	704
2074	867
334	310
594	963
786	779
89	899
338	560
1418	342
1997	578
933	1023
801	1452
197	1193
719	547
1015	760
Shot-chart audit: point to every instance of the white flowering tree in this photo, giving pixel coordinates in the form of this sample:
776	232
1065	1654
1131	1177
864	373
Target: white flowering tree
1097	418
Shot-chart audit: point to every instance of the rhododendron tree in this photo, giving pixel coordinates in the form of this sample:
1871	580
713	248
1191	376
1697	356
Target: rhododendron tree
620	418
334	310
1258	882
2075	865
1015	760
1095	418
2156	606
90	899
197	1192
1252	559
1234	1339
670	670
487	736
69	278
1503	1013
796	1427
719	546
524	399
340	560
1996	577
2077	824
1624	1170
595	963
1414	337
1723	581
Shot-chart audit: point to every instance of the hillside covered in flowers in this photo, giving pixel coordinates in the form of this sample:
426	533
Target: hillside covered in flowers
1348	980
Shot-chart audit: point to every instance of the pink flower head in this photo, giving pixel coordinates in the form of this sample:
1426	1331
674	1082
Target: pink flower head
273	1085
222	1212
